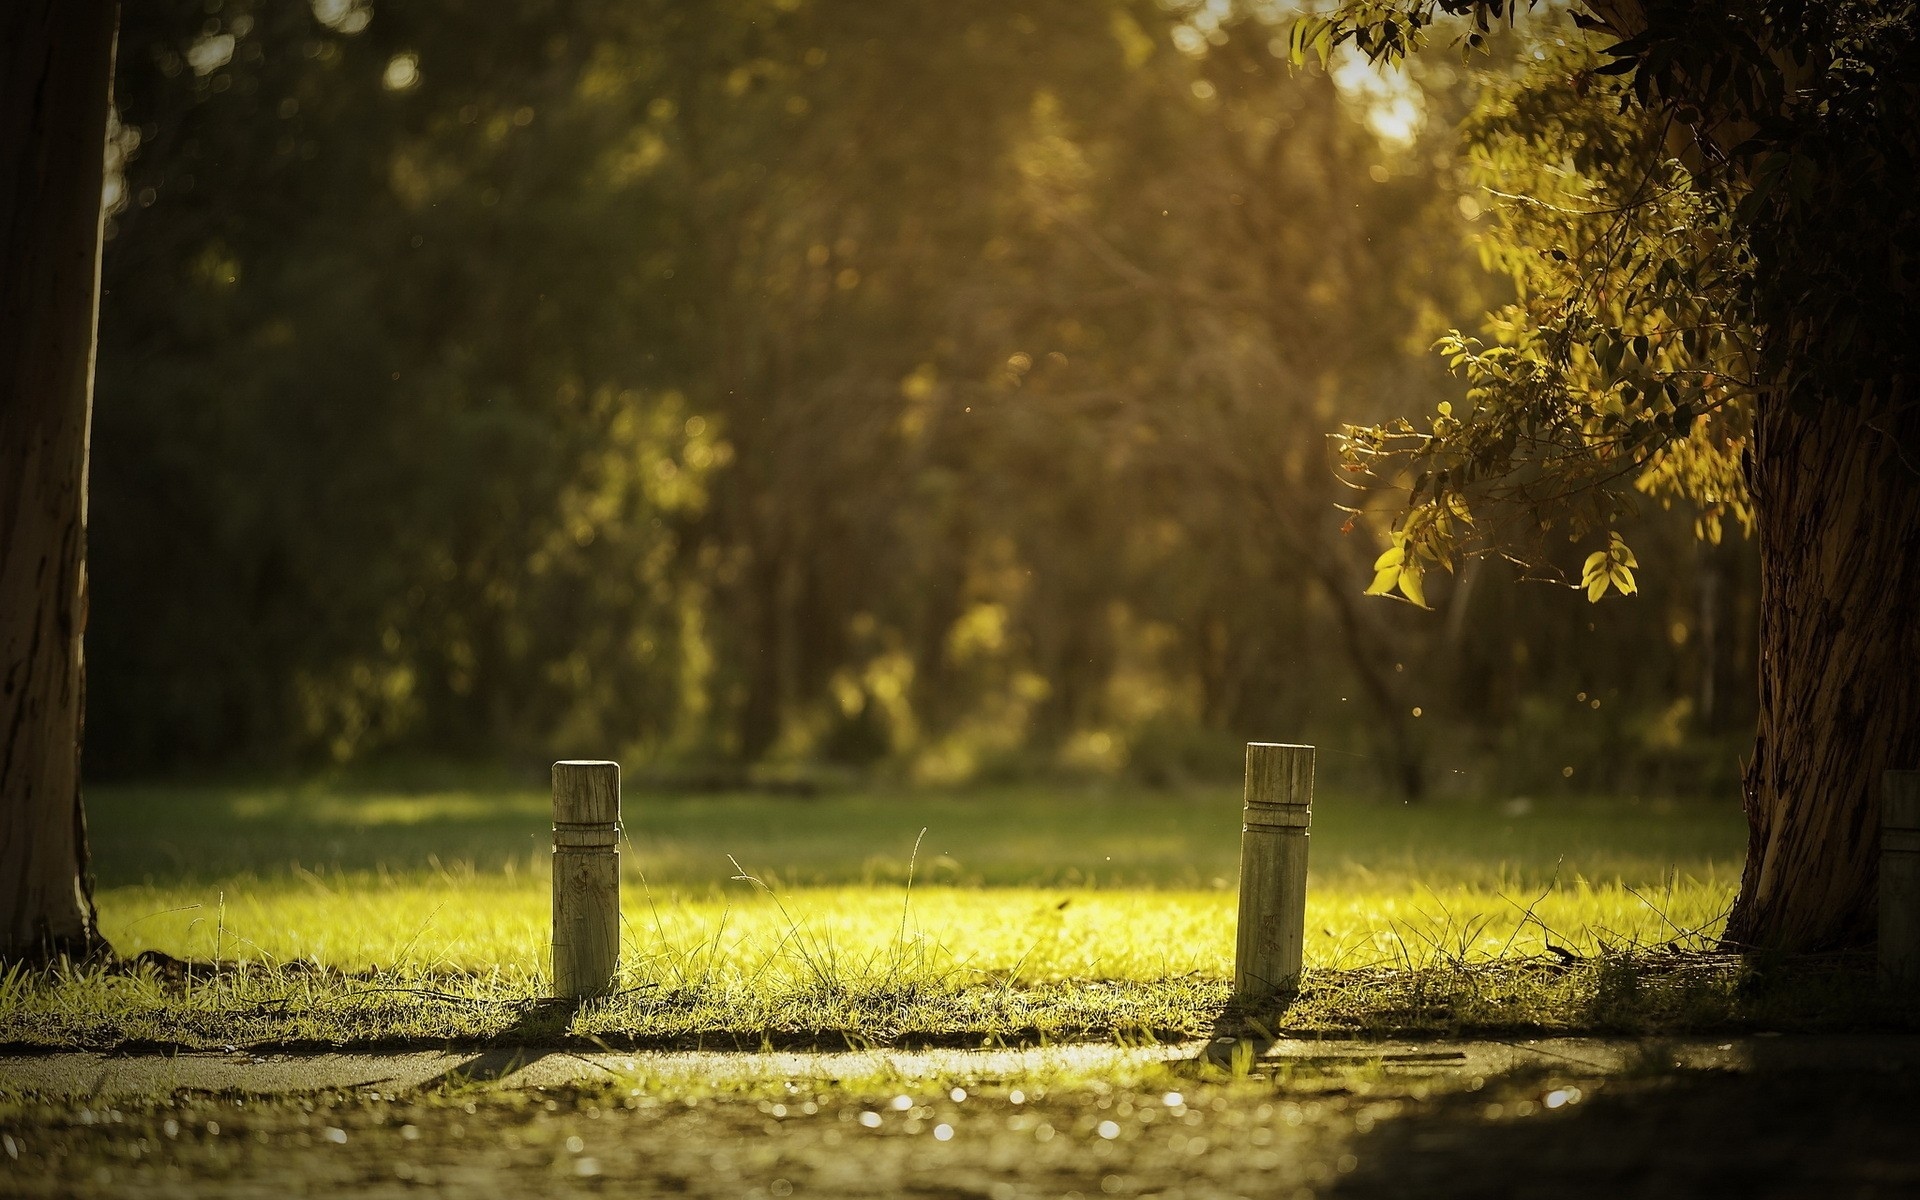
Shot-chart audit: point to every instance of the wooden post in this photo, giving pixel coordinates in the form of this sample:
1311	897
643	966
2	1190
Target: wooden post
1900	880
1273	870
586	878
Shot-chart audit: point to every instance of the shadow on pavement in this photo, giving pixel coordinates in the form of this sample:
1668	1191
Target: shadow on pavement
1244	1032
543	1021
1785	1133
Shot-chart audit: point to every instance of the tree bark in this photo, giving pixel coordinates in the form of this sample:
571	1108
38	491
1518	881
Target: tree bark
56	72
1837	498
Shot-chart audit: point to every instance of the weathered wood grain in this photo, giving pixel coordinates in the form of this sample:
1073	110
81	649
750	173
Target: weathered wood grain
586	878
1273	869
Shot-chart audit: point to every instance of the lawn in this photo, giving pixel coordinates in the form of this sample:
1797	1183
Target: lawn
387	916
333	913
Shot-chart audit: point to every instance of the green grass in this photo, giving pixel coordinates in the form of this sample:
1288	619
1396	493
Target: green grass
1109	837
335	914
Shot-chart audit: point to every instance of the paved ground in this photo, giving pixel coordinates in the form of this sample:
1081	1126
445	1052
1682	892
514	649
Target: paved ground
82	1076
1584	1119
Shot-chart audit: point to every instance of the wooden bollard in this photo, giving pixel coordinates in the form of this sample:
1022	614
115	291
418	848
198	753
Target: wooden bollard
1273	870
1900	880
586	878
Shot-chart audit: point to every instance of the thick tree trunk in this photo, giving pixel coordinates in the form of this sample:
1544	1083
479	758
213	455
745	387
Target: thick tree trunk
1837	493
56	70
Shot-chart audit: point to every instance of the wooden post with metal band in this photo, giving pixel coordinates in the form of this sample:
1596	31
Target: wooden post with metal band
1900	881
586	878
1273	870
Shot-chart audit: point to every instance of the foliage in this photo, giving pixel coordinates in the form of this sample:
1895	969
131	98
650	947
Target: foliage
781	385
1698	204
1625	366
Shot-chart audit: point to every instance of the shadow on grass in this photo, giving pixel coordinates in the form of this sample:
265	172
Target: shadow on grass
1634	993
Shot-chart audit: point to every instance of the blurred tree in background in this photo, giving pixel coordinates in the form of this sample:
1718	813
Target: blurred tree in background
781	384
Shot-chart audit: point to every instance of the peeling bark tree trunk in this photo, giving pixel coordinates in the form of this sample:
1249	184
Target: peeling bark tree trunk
1837	497
56	71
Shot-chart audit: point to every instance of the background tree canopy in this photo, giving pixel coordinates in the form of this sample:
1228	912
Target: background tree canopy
775	385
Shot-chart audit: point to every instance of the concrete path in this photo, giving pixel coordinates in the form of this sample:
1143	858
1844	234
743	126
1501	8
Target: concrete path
80	1076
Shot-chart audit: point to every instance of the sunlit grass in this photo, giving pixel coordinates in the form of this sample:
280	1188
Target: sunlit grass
460	922
456	955
1029	916
1014	885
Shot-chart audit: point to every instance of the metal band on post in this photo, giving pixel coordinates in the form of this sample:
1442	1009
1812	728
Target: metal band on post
1273	869
586	878
1900	880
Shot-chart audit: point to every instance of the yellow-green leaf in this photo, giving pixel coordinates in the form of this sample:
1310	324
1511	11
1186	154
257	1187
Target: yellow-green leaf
1410	586
1595	568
